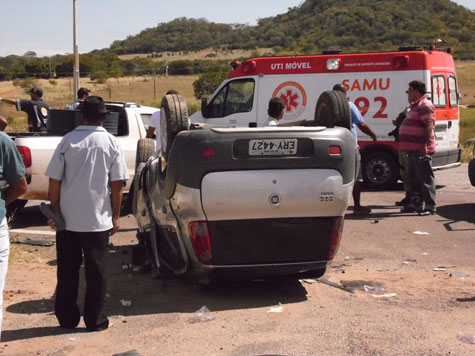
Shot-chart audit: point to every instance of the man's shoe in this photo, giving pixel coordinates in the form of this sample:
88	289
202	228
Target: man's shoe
361	210
426	212
403	202
412	209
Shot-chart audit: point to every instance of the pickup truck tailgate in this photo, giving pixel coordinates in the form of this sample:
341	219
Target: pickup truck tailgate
265	194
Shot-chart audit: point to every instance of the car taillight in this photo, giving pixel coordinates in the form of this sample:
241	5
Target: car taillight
208	152
26	155
336	237
334	150
200	240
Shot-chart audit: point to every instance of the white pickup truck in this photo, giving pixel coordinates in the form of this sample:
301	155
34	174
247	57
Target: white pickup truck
37	148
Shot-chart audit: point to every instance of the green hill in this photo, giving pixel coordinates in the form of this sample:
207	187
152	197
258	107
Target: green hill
315	25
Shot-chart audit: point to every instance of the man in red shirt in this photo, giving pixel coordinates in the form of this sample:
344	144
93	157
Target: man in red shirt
416	137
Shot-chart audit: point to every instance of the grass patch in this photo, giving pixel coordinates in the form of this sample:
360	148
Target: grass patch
467	124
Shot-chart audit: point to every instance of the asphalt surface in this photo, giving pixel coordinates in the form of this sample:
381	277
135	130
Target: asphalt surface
425	265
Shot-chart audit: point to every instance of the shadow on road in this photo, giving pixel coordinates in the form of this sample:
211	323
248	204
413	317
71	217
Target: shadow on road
29	333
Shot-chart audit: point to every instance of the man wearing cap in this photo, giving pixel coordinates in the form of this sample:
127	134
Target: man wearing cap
87	173
83	93
36	109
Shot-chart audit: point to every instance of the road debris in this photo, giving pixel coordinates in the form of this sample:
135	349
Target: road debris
277	309
374	289
425	253
203	314
336	285
468	338
421	233
28	241
386	295
128	353
458	274
439	269
308	281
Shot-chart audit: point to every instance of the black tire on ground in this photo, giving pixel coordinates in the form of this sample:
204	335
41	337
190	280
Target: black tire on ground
14	207
145	150
174	118
380	170
471	171
332	110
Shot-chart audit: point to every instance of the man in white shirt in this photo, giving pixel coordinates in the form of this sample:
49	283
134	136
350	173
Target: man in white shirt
154	125
87	173
275	111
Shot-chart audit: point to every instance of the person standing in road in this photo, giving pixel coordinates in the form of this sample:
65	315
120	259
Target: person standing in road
357	119
12	172
154	125
83	93
275	111
87	173
416	137
36	109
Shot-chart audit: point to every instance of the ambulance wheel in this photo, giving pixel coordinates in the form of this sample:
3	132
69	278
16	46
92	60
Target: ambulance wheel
333	110
145	150
380	170
174	118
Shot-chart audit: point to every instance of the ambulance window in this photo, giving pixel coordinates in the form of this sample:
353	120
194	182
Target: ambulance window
438	91
237	96
453	94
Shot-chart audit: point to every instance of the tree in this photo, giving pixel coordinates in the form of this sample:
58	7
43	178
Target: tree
207	83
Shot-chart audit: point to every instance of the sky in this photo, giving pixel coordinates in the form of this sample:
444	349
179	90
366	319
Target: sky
46	27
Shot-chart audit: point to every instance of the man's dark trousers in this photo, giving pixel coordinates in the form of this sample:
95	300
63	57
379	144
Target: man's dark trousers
70	247
422	180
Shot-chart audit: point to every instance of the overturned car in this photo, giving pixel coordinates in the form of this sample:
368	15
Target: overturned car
245	202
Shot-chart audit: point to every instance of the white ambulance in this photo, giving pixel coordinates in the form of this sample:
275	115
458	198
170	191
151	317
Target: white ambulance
375	82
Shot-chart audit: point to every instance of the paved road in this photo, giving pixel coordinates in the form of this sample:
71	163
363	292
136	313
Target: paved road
424	316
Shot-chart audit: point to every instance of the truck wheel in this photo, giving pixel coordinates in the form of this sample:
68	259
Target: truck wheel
145	150
380	171
14	207
333	110
174	118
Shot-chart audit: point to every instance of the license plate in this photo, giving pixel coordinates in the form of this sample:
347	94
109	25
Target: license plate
275	147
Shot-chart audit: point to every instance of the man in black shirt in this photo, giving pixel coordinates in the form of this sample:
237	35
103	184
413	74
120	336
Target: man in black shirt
36	109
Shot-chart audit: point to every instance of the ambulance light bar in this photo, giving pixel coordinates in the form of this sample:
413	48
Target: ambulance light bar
333	64
249	66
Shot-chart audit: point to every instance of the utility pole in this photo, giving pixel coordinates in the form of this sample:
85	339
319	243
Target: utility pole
75	48
154	84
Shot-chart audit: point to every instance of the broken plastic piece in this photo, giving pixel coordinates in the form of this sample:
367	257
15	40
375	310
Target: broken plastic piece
308	281
34	242
203	314
439	269
128	353
468	338
420	233
374	289
387	295
336	285
458	274
277	309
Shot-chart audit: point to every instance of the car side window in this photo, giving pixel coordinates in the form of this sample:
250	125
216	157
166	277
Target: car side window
236	96
146	119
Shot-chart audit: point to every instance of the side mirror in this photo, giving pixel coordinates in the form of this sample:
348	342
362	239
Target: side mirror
204	108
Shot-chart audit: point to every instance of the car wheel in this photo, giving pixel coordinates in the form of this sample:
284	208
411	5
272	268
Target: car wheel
333	110
145	150
471	171
379	170
174	118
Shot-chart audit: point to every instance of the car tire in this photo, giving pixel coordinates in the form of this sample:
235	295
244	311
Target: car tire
332	110
174	119
145	150
14	207
471	171
380	170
